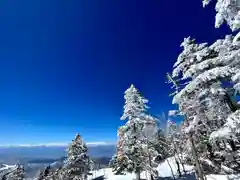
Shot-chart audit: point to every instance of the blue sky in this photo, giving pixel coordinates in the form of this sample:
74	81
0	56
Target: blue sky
65	64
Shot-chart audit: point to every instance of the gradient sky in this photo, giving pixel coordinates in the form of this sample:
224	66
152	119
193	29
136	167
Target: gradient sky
66	64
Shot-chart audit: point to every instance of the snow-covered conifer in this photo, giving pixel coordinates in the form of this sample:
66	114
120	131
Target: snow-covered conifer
131	151
174	140
150	138
134	111
206	79
205	100
135	105
118	164
16	174
44	174
78	161
228	11
139	130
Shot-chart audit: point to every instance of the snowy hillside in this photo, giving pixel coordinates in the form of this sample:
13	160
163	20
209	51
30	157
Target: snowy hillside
164	173
6	167
163	169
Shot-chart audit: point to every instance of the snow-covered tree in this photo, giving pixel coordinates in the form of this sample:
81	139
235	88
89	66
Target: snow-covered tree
118	164
44	174
227	11
150	138
132	149
135	105
78	161
61	173
218	64
210	74
113	162
75	167
174	140
16	174
119	161
161	146
206	79
137	133
134	110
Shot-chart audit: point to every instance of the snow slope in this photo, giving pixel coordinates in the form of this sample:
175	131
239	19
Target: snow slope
223	177
164	173
6	167
163	169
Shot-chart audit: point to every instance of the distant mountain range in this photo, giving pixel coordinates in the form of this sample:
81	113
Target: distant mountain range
12	154
54	145
36	158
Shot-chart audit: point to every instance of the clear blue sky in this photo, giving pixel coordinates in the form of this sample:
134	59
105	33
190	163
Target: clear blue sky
65	64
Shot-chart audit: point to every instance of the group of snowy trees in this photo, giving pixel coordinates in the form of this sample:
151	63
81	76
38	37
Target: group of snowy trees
141	145
206	81
76	167
17	173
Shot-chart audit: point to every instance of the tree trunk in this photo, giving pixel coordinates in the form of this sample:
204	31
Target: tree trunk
178	167
199	171
137	173
232	144
180	158
209	148
150	164
176	161
171	169
181	162
150	160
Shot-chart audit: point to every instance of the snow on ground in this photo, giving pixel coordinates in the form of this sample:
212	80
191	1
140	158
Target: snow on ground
107	172
223	177
164	173
217	177
7	167
163	169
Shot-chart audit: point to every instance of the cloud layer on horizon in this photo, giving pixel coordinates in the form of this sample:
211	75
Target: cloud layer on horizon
56	144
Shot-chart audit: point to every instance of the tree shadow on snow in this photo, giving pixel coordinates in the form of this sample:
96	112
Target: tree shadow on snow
99	178
184	177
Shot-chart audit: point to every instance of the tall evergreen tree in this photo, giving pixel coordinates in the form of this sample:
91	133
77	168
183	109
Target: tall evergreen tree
212	74
45	173
174	141
205	100
134	110
150	139
135	105
119	162
135	147
78	161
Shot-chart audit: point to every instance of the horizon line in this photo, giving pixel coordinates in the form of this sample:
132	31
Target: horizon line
57	144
